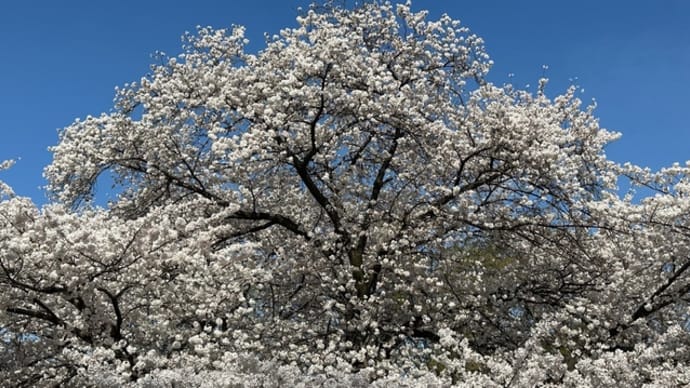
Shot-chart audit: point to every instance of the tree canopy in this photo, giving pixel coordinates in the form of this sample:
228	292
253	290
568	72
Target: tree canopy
353	204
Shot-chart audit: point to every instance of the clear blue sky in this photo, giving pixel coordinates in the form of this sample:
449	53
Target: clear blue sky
62	59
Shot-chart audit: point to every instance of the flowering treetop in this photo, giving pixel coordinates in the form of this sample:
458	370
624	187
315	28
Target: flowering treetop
355	201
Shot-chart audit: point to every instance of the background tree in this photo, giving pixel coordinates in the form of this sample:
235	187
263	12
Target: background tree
355	198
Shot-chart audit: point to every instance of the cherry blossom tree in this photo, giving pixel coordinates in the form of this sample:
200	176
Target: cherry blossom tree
354	204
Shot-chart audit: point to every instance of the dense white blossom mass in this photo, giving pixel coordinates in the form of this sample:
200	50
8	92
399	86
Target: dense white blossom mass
354	205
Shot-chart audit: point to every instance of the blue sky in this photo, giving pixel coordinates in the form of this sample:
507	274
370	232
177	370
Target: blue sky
62	60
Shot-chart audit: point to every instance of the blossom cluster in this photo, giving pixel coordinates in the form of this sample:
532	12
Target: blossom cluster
354	205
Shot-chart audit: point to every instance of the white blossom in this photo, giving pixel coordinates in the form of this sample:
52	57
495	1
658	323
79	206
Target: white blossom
354	205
